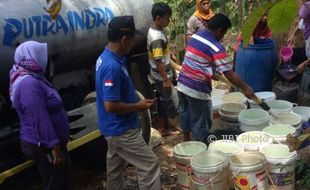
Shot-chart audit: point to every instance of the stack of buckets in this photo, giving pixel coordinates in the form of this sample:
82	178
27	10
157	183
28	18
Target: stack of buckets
183	153
227	165
241	164
229	114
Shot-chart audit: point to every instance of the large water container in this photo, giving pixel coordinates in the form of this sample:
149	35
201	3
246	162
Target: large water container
256	64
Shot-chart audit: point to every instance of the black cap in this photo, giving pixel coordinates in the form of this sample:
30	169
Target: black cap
123	25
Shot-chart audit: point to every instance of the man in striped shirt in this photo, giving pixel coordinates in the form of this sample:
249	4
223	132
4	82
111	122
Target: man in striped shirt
204	56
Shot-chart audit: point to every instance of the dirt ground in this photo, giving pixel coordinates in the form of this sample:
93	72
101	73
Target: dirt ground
88	169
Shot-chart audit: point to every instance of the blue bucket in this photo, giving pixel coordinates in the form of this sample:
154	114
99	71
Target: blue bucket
256	64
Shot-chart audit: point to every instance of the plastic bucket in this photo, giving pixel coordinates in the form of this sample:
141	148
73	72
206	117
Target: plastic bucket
260	155
217	93
217	101
228	121
286	118
229	114
234	97
232	108
279	132
280	106
253	119
256	64
230	148
266	96
281	166
248	171
303	111
288	71
183	152
286	53
253	140
210	170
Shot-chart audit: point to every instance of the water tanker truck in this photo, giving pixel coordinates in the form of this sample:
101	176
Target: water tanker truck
75	31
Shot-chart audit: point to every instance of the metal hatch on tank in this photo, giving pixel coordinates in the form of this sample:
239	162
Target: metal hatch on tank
75	31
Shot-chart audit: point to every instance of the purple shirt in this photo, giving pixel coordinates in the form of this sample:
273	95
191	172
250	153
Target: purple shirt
43	120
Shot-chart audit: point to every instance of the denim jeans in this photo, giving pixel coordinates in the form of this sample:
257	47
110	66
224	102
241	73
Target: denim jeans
195	116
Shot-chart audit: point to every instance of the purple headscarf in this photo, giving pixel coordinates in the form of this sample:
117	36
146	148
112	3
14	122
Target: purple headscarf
30	59
304	13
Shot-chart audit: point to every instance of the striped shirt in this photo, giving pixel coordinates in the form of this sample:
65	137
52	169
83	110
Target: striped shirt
157	45
204	55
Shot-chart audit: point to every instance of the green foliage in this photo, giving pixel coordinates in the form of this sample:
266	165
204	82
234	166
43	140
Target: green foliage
251	22
281	14
229	8
302	172
219	3
181	11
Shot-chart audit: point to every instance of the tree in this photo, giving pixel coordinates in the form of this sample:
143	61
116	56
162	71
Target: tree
280	16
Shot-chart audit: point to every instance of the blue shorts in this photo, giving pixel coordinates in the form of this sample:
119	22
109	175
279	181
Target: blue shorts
195	116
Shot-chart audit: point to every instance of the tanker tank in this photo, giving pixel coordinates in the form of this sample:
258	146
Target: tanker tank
75	37
75	31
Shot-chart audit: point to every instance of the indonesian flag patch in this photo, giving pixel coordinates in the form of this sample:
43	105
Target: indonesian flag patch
108	83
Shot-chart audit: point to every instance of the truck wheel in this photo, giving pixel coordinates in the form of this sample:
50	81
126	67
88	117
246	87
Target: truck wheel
89	98
145	121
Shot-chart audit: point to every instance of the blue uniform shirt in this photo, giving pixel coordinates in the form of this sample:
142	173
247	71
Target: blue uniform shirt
114	84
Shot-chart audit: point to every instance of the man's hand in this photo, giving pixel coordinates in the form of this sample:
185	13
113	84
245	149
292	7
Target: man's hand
145	104
58	158
302	67
167	85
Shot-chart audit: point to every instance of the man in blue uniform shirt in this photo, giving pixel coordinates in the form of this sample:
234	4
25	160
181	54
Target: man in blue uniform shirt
117	107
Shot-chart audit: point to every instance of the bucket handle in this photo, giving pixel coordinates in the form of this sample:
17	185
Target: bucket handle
209	182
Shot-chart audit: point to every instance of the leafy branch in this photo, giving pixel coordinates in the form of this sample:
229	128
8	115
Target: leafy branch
280	16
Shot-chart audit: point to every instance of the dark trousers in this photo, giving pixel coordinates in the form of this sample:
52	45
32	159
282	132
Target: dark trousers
53	177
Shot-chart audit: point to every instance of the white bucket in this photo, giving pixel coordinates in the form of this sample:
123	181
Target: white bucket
280	106
234	97
217	101
248	171
279	132
281	166
303	111
210	170
229	114
253	140
260	155
230	148
253	119
286	118
183	153
265	95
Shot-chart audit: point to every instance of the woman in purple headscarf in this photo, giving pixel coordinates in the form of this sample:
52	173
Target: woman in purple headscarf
44	130
304	24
